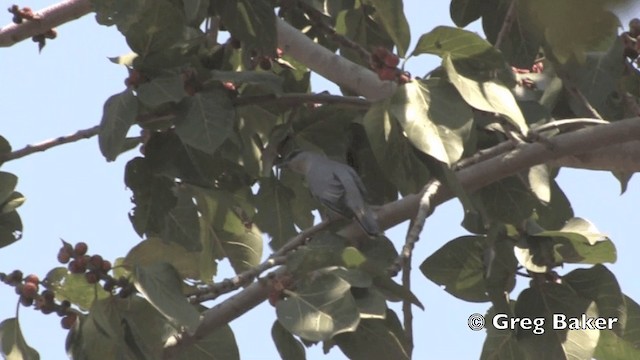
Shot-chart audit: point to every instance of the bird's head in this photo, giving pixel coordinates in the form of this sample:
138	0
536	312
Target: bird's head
298	161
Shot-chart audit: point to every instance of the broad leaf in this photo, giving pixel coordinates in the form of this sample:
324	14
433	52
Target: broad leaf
206	120
487	95
216	345
288	347
10	228
548	301
73	287
375	339
251	21
161	285
500	343
153	250
539	181
119	114
464	12
8	184
459	267
319	309
434	118
600	285
183	224
627	346
275	216
158	91
14	201
12	343
392	15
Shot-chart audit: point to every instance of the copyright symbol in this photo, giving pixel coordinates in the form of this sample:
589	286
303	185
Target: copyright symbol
476	322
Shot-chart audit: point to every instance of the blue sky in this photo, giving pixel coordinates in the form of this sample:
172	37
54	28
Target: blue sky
74	194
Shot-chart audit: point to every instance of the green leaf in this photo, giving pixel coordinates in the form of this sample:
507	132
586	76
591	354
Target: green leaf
275	216
154	250
14	201
391	13
183	223
392	151
126	59
500	344
206	121
434	118
459	267
550	300
288	347
73	287
352	257
10	228
598	79
161	285
251	21
227	227
119	114
579	241
464	12
458	44
375	339
395	292
194	8
539	181
159	26
319	309
507	200
486	95
8	183
145	328
217	345
557	212
162	90
267	80
627	346
371	303
12	343
323	250
600	285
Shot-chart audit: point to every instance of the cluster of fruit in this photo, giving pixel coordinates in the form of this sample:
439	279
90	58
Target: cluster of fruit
28	289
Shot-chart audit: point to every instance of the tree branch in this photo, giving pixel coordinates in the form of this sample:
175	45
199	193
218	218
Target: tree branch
471	178
297	99
47	144
50	17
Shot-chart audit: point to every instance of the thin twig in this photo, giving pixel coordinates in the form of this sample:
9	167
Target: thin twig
246	277
560	124
575	92
30	149
407	306
506	24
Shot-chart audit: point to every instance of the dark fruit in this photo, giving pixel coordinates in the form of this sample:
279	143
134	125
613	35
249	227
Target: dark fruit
15	276
91	277
68	321
64	256
96	262
32	278
17	19
26	301
30	290
106	265
81	248
48	296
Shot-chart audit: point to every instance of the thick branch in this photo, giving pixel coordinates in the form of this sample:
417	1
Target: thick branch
331	66
50	17
472	178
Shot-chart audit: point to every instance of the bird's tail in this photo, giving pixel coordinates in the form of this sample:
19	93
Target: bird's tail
368	221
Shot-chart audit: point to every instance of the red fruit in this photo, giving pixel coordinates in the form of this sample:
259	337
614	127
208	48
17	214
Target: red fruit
68	321
48	296
106	265
30	290
91	277
32	278
391	60
26	301
77	266
81	248
96	262
64	256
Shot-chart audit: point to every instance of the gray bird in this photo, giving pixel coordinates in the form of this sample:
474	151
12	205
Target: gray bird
335	185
